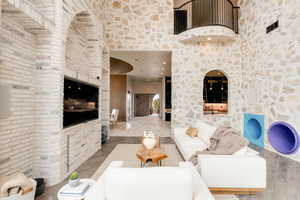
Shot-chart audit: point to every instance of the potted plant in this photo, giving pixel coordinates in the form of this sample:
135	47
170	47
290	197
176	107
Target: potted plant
74	179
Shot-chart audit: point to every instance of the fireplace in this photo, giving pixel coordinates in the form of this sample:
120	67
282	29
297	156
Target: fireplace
80	102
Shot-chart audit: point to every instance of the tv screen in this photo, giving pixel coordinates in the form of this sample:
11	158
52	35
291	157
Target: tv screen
80	102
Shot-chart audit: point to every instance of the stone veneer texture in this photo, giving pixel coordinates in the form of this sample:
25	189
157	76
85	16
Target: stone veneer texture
17	69
263	70
271	62
139	24
32	138
148	25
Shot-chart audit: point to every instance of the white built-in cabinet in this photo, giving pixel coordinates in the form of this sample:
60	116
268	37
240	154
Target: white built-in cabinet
82	141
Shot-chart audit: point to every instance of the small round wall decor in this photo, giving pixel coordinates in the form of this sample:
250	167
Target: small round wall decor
283	137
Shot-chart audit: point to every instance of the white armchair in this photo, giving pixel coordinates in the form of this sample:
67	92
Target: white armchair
176	183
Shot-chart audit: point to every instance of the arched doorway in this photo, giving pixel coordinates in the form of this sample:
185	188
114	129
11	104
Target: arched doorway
215	93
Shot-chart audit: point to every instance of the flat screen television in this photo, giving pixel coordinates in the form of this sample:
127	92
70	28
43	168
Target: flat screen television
80	102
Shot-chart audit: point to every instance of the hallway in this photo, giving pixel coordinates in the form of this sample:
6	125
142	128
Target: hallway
138	125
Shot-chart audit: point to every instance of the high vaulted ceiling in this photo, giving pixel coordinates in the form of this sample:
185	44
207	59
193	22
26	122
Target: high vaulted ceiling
147	65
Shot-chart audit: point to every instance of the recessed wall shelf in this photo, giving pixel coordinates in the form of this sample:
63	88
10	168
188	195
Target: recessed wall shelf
254	129
283	137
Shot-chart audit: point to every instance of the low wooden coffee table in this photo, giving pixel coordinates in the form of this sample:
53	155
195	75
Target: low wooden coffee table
154	156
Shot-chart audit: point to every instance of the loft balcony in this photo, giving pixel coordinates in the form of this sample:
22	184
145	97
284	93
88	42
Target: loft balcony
199	20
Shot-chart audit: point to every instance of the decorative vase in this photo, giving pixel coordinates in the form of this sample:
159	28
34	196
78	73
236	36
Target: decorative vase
74	183
149	143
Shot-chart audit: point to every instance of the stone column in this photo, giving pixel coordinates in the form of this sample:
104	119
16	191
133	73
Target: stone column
49	102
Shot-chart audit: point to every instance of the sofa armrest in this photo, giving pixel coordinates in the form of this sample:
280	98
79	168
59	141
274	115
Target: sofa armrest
97	191
200	189
232	171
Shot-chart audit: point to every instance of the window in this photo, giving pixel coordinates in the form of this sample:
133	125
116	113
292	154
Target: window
215	93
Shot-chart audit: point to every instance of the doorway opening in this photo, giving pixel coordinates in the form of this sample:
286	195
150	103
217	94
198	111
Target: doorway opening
140	87
147	104
215	93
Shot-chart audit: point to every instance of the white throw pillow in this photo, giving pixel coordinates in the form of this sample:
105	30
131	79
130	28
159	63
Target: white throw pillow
205	131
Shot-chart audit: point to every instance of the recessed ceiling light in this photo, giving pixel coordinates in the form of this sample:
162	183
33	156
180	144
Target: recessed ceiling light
164	63
209	38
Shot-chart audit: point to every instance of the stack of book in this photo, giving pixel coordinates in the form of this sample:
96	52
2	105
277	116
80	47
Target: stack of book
78	191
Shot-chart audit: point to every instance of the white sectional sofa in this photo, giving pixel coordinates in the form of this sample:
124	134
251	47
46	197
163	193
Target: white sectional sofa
160	183
242	172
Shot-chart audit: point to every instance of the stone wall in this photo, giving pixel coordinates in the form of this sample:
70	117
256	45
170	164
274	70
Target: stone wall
148	25
84	43
190	63
33	64
263	69
139	24
271	62
17	70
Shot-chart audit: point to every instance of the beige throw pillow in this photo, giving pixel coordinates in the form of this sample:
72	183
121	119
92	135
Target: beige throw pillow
192	132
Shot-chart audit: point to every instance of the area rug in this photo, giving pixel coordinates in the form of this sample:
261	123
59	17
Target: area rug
126	153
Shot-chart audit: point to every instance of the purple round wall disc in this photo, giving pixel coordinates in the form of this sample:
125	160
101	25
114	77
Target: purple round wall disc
283	137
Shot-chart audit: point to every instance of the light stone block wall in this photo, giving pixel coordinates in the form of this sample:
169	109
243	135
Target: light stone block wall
17	70
84	42
32	138
271	62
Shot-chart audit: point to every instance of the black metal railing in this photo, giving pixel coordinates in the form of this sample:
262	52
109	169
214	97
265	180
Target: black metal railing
198	13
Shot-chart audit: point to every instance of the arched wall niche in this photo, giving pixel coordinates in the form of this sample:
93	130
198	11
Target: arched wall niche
215	92
82	48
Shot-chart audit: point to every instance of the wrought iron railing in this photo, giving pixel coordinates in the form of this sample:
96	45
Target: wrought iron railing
198	13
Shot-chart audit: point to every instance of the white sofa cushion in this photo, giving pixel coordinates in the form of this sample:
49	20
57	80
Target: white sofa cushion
229	171
246	151
149	183
205	131
188	145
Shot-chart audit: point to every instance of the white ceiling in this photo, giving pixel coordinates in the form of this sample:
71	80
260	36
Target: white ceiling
147	65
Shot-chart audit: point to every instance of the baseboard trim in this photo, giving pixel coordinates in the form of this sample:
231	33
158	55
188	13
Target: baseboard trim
242	191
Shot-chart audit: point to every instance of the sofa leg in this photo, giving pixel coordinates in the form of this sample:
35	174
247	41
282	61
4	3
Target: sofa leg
237	191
